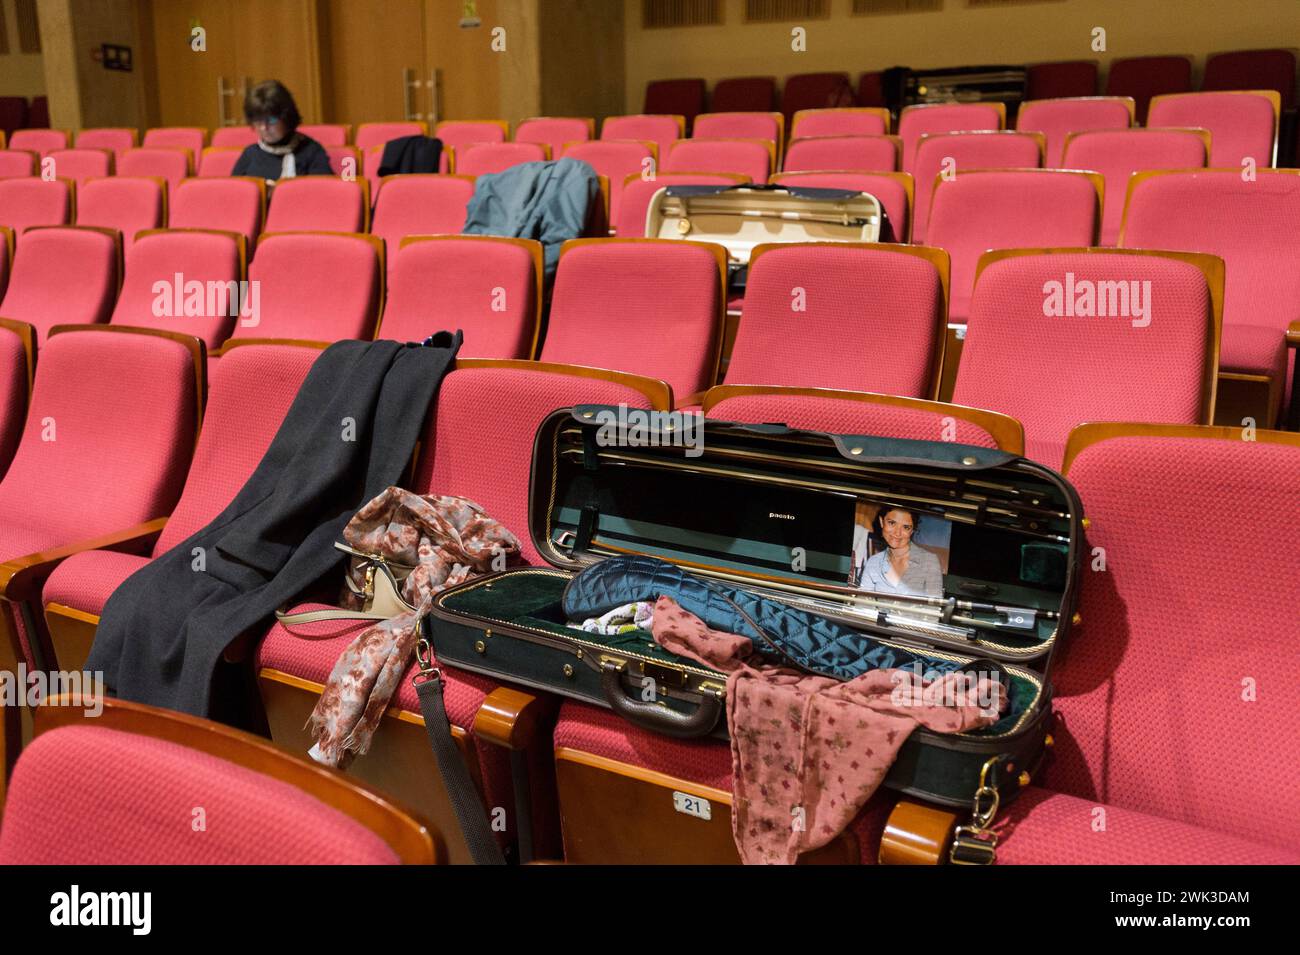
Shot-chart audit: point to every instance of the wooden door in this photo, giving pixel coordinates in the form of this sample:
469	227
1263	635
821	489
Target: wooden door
468	68
188	80
278	40
372	50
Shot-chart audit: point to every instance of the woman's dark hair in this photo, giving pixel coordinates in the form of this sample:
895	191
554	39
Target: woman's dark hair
878	522
271	98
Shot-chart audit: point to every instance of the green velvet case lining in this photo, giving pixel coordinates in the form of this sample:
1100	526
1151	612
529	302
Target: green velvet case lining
533	600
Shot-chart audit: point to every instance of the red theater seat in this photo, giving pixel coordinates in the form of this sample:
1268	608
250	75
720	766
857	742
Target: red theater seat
228	204
376	134
15	163
63	275
1253	70
218	161
842	121
961	224
155	766
1056	119
554	131
319	204
825	153
233	136
420	205
1144	669
251	390
1251	225
486	286
1066	79
1143	77
482	158
125	403
747	157
115	139
743	94
852	316
649	307
1026	356
1117	154
81	164
954	153
1243	124
39	141
683	97
127	204
769	126
171	163
191	138
208	263
662	130
34	201
316	287
327	134
815	91
917	121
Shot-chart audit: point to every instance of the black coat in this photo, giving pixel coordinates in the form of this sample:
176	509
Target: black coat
163	631
408	154
310	159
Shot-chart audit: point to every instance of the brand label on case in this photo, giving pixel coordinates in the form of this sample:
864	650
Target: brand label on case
692	805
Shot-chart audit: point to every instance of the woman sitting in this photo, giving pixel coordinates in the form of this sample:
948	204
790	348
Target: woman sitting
281	152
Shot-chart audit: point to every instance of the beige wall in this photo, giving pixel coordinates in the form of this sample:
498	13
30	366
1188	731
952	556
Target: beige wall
1018	33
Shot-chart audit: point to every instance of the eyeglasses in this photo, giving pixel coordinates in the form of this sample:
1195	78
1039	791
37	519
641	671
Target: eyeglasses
268	122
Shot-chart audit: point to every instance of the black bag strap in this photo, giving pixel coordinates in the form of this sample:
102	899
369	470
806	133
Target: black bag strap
483	847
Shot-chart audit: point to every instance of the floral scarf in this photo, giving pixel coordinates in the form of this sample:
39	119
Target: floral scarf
447	540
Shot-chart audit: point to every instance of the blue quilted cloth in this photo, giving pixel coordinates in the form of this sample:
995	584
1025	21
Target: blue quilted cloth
785	634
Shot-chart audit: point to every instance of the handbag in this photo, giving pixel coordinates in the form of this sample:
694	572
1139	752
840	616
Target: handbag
374	585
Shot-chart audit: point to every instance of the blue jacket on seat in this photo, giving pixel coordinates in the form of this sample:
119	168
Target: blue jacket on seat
546	201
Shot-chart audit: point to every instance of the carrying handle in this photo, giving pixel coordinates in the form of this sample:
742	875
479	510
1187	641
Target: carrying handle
654	717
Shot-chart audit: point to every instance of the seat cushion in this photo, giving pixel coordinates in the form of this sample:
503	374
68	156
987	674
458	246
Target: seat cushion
1253	350
705	762
85	581
1046	828
140	808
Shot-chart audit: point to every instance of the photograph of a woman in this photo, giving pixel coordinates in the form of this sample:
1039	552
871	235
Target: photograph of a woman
901	566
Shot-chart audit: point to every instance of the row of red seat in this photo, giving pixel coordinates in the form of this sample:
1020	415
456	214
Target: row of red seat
1139	77
1146	665
70	275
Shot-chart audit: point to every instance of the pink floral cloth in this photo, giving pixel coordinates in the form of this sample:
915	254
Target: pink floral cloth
448	540
807	752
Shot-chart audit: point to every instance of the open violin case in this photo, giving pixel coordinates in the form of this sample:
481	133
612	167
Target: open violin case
740	218
780	514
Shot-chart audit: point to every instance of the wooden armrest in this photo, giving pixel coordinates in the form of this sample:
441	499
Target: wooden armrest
510	717
1293	334
22	577
695	399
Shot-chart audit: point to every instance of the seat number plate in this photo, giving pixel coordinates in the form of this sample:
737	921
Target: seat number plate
692	805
